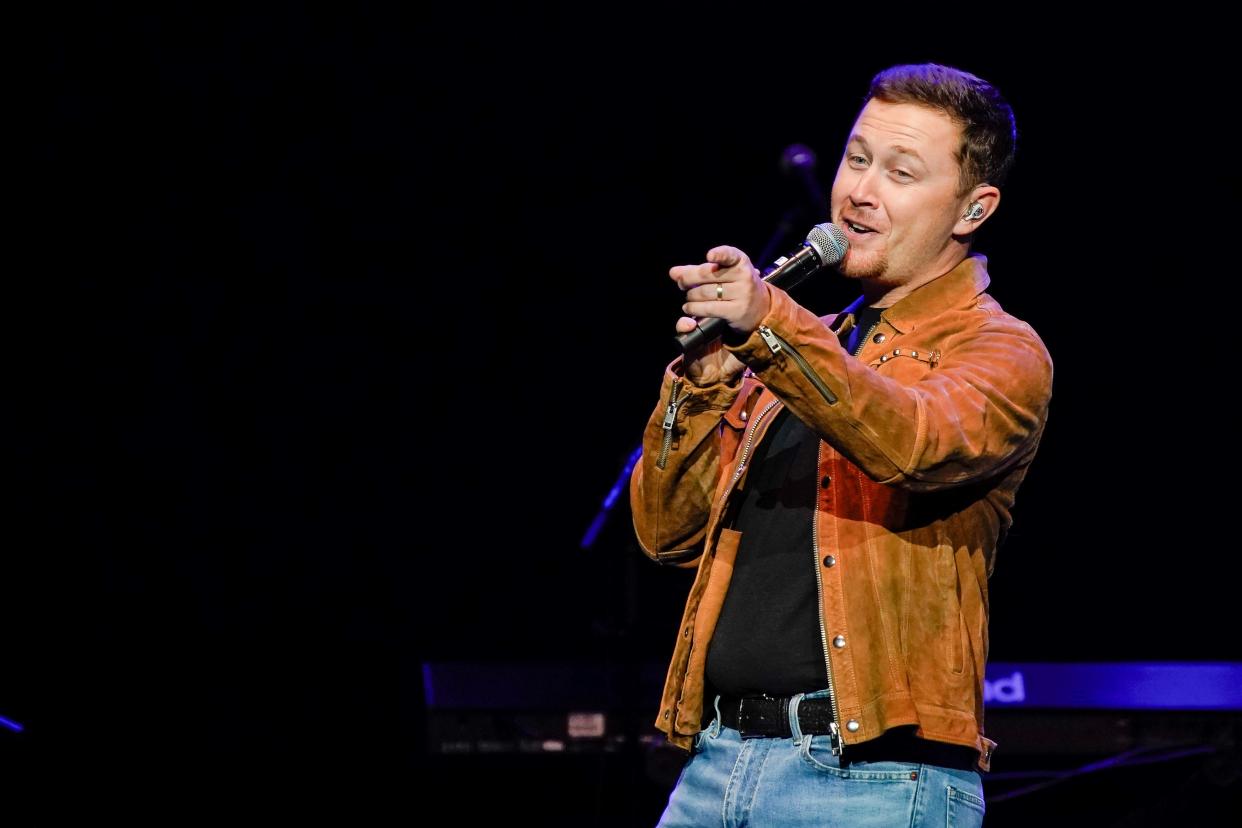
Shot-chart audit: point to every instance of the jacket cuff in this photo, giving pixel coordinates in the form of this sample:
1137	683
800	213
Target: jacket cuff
781	317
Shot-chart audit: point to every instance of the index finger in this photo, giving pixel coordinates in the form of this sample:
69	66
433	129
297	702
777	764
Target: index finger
690	276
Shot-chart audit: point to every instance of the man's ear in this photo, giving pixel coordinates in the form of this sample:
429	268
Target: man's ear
980	206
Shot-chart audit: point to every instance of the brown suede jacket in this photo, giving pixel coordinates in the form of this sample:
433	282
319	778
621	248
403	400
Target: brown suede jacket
925	437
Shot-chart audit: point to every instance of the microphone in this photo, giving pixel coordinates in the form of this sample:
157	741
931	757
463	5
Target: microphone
825	245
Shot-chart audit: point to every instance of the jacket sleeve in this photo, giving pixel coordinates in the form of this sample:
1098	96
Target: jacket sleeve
980	409
672	485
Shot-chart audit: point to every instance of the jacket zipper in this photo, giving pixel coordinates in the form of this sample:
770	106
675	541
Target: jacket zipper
750	440
670	415
776	344
834	730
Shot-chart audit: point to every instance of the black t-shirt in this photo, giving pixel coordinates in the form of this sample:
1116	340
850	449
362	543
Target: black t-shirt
864	318
767	639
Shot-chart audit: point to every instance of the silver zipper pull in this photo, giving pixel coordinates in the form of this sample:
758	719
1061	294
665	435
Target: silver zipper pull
834	738
770	338
670	413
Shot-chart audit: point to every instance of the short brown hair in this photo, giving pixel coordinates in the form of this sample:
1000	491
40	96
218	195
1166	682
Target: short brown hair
989	133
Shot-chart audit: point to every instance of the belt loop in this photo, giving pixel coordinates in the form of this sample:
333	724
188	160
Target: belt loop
794	729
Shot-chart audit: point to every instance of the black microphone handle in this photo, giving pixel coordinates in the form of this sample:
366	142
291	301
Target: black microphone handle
787	276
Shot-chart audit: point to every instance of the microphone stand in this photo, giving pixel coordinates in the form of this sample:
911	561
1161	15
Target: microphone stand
783	230
610	500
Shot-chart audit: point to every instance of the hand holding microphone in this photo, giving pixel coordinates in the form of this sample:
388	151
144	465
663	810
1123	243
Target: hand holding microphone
727	287
726	291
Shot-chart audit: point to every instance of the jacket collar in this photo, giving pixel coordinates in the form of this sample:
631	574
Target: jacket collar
954	289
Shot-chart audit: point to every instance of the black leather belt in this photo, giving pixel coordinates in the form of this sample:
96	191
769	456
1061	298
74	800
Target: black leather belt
767	716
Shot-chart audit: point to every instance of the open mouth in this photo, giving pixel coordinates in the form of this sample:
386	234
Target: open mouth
855	227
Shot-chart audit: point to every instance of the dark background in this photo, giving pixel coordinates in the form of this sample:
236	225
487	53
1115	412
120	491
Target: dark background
333	332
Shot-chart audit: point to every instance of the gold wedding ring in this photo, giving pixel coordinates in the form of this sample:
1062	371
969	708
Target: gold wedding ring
719	292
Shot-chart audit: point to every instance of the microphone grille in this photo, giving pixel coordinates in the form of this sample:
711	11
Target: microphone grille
829	242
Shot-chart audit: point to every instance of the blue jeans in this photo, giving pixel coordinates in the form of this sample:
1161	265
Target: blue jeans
733	782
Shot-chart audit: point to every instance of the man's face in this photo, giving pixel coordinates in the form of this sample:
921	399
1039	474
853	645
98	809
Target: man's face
899	179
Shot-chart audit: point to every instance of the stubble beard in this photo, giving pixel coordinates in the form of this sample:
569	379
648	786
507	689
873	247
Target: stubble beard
873	269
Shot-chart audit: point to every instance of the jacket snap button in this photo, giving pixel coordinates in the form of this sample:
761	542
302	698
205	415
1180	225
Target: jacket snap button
826	482
878	338
744	416
829	560
852	725
666	714
685	633
838	642
884	358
